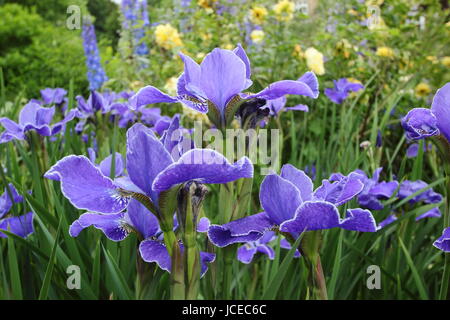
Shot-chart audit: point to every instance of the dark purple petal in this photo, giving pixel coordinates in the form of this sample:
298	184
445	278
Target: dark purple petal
112	225
150	95
203	225
285	87
433	213
21	225
12	128
105	165
443	242
340	192
267	237
299	178
85	186
190	82
266	250
155	251
240	52
247	229
335	96
280	198
286	245
310	79
205	166
146	158
312	215
413	150
223	75
384	190
245	253
359	220
34	115
420	123
141	219
441	110
6	202
390	219
205	258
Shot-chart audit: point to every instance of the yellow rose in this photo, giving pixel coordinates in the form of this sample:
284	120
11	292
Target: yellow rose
258	14
446	61
314	61
385	52
422	90
284	10
167	37
257	36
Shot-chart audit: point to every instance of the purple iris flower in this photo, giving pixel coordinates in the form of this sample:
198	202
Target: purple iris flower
279	105
413	149
34	117
443	242
407	188
19	225
137	218
53	96
374	190
290	204
421	123
341	90
247	252
219	79
153	165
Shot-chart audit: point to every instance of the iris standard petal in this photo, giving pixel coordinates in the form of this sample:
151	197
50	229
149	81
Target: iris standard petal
441	110
85	186
205	166
146	158
247	229
279	197
223	75
106	164
300	179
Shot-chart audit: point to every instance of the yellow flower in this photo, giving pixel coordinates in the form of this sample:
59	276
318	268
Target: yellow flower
374	2
343	48
446	61
207	4
298	52
432	59
258	14
352	12
385	52
284	10
314	61
257	36
195	115
167	37
422	90
171	86
447	24
136	85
